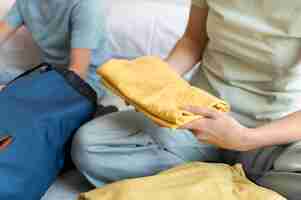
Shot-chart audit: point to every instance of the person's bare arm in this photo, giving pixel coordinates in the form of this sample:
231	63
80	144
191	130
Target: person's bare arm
6	32
283	131
79	61
190	48
222	130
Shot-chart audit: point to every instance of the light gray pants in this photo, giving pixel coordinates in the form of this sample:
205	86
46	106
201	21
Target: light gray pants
276	167
128	145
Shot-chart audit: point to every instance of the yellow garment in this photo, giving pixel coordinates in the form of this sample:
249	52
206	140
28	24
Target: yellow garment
194	181
155	89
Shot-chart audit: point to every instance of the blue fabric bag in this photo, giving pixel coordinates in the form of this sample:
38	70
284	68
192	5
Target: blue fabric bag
39	112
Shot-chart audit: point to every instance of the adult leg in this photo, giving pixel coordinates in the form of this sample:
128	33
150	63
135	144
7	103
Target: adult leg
127	145
275	167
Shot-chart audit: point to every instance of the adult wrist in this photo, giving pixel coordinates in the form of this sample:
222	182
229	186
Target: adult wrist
252	139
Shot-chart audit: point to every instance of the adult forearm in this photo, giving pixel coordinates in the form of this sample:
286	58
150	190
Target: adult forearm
283	131
185	55
189	50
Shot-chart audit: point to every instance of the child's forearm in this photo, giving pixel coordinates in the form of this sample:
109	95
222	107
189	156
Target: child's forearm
5	32
80	61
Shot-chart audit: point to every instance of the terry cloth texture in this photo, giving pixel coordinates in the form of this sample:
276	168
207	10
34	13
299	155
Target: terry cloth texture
190	181
149	84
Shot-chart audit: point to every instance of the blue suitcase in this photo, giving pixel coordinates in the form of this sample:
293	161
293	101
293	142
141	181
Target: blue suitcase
39	112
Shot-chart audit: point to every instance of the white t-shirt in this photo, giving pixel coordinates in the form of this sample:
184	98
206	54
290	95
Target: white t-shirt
252	58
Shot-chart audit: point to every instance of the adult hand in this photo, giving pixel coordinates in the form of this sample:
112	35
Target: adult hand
219	129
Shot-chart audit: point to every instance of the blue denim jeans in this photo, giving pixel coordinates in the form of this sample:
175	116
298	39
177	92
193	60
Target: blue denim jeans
128	145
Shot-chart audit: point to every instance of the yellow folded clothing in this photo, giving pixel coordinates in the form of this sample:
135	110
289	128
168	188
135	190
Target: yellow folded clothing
192	181
155	89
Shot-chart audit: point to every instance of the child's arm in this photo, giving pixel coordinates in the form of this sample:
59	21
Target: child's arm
87	33
10	24
79	61
6	31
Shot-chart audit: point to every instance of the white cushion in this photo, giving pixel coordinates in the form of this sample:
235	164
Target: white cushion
145	27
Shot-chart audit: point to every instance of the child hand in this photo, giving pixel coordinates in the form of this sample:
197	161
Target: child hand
2	86
82	74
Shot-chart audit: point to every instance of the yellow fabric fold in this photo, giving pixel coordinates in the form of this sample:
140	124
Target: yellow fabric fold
149	84
193	181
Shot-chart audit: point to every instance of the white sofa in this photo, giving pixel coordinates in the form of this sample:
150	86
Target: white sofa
136	27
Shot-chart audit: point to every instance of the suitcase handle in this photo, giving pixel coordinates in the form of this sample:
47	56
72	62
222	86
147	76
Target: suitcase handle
73	79
30	71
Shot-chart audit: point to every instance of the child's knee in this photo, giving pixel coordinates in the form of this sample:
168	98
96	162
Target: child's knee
79	148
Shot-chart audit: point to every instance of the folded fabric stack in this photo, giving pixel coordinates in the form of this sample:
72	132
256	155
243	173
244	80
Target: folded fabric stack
192	181
150	85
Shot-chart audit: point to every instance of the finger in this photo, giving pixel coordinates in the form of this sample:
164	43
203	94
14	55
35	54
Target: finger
198	124
203	136
205	112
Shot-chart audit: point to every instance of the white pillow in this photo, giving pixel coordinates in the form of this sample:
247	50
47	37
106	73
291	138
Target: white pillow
135	27
145	27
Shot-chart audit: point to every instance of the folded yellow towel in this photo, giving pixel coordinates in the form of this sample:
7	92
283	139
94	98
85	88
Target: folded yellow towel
194	181
149	84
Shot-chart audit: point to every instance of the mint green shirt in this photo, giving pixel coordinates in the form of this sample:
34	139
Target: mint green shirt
252	58
57	26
